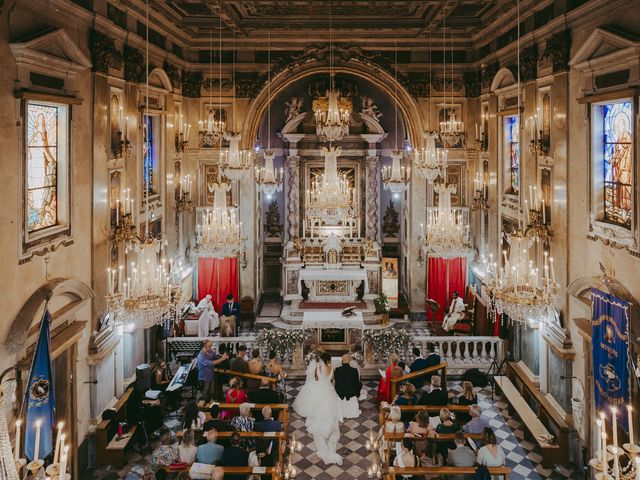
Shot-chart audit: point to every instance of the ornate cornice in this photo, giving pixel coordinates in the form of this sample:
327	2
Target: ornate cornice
102	49
558	49
416	83
472	83
248	85
134	65
191	84
488	72
173	73
529	63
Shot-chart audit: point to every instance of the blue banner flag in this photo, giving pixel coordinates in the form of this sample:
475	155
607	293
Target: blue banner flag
610	344
39	396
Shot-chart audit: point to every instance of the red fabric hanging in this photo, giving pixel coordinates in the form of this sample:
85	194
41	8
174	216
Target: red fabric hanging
217	277
437	285
457	276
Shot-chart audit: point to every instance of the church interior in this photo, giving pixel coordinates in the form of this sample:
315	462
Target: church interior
211	198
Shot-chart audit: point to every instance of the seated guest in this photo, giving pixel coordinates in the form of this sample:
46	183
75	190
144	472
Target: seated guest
255	366
243	422
265	394
461	456
467	397
261	456
235	456
192	417
274	369
490	454
478	423
419	363
216	420
165	454
268	424
210	453
432	360
393	424
405	456
446	426
407	395
437	396
187	448
420	427
392	371
236	394
238	363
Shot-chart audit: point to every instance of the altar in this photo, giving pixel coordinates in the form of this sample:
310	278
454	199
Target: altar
332	285
332	328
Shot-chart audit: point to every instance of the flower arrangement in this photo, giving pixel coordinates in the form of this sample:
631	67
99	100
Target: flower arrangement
383	303
313	355
283	342
390	340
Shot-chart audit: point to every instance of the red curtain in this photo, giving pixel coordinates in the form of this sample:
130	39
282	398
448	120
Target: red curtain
445	276
218	277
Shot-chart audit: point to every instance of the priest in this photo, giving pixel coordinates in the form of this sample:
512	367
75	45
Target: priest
455	313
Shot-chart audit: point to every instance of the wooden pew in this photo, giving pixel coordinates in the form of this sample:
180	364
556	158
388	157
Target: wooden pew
384	412
109	450
396	382
273	472
502	472
391	438
251	376
281	409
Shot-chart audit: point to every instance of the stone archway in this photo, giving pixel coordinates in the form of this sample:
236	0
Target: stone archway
372	74
503	78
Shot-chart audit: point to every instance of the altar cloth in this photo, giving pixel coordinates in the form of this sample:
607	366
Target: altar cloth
332	319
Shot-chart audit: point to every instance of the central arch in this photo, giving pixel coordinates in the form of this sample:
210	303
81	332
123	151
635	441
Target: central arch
376	76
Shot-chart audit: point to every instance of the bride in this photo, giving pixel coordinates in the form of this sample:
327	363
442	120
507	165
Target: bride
320	404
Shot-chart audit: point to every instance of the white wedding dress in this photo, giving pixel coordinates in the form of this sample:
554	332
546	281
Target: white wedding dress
319	403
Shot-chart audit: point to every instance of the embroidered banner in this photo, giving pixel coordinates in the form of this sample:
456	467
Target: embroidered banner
610	343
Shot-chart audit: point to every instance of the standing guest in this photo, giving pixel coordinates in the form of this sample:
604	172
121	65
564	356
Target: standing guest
255	367
210	453
490	454
235	456
419	363
206	363
239	363
392	371
461	456
268	424
243	422
192	417
230	307
265	394
478	423
467	397
274	369
446	426
165	454
187	448
216	421
432	360
437	396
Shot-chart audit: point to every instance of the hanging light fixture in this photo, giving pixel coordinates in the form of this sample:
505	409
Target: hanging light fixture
451	126
236	161
332	113
213	129
396	178
269	179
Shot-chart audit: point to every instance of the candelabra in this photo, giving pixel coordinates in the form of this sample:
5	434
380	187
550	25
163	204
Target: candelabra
609	460
123	146
396	177
539	146
183	195
289	470
332	115
180	142
430	161
537	216
372	444
125	232
212	130
480	201
451	126
269	179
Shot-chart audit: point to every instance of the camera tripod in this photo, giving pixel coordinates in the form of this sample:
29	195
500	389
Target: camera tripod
495	369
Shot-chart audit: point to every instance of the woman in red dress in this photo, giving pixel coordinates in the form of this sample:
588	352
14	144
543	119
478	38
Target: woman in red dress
392	371
235	394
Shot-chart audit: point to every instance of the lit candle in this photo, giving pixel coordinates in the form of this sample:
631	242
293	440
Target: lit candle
544	213
57	450
553	270
63	464
603	452
614	426
16	450
36	450
630	417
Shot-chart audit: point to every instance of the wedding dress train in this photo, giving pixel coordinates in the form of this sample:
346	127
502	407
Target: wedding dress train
319	403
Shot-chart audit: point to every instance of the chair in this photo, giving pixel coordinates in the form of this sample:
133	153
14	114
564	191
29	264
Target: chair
247	311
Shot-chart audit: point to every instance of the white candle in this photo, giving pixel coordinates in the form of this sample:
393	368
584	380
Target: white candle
637	468
603	452
544	213
630	418
553	270
531	195
63	465
36	450
57	449
614	426
16	450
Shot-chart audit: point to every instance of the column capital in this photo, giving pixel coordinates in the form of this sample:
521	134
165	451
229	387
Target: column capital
373	161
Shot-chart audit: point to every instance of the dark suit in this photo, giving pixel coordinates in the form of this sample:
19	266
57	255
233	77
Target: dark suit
418	364
235	457
270	425
264	395
348	382
432	360
239	364
437	397
233	309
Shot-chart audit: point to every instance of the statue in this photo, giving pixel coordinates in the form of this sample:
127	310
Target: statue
272	226
367	107
293	107
390	223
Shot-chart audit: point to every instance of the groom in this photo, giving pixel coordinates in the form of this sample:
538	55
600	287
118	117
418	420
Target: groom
347	379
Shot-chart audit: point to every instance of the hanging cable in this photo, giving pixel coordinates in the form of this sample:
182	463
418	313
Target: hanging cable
269	95
220	66
396	89
146	182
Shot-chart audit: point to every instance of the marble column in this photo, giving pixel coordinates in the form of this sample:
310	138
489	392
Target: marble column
373	199
292	196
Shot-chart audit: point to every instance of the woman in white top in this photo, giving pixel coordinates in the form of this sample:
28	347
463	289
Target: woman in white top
490	455
405	458
187	448
392	425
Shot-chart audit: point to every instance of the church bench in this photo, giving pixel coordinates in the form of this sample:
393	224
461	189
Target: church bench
396	382
251	376
501	472
530	421
391	438
384	412
273	472
279	409
109	450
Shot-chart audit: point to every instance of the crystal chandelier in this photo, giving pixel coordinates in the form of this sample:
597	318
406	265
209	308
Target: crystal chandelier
330	196
219	235
446	234
451	126
212	130
268	178
235	162
396	177
521	291
431	162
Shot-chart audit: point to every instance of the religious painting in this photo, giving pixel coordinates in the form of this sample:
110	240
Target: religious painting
292	282
333	335
42	151
453	177
512	153
390	280
211	176
545	189
615	142
116	120
115	192
390	268
228	326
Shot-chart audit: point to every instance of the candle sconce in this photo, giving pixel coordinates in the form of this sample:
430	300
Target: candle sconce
614	462
540	146
482	143
123	148
181	142
183	195
480	201
125	232
537	226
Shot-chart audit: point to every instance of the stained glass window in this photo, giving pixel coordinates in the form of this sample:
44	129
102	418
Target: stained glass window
512	152
149	153
43	125
617	160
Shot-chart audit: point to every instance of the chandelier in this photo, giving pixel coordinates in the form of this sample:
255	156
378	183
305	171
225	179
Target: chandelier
332	114
446	234
451	126
235	162
431	162
521	291
213	129
396	178
268	178
219	235
331	196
